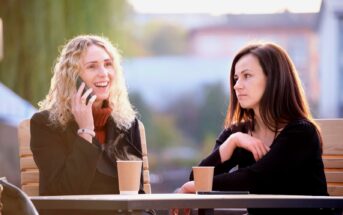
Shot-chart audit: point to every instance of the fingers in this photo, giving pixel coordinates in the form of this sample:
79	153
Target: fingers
80	90
85	96
259	149
91	100
254	145
81	98
174	211
81	109
187	211
188	187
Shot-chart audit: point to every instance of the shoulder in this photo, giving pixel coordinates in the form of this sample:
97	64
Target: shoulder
301	125
302	130
134	129
238	127
40	117
42	120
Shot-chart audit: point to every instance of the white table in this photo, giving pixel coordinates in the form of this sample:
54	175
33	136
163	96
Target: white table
167	201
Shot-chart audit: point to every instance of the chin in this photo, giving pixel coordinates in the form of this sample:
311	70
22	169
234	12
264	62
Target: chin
102	97
245	107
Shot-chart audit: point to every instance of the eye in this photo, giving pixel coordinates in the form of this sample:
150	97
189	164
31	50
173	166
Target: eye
91	66
235	78
246	75
108	64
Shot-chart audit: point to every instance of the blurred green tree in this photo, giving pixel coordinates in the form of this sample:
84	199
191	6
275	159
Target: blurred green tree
160	128
201	114
35	29
212	110
162	38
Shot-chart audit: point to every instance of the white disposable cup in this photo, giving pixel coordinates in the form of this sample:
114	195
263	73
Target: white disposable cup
129	175
203	178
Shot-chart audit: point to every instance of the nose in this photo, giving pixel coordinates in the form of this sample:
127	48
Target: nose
237	85
103	70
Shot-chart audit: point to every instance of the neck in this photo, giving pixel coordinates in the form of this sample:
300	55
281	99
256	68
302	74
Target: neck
259	124
262	132
97	104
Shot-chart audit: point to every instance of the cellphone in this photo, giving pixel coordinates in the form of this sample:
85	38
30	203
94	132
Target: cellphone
217	192
78	84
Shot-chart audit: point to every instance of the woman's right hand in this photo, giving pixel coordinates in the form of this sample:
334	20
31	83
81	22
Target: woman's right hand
83	112
243	140
188	187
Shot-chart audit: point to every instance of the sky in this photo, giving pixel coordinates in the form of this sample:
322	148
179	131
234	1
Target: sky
220	7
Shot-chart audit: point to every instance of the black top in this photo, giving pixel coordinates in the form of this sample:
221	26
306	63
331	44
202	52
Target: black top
293	166
70	165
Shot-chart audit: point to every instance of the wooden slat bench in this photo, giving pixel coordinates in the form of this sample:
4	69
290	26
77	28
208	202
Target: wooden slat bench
332	133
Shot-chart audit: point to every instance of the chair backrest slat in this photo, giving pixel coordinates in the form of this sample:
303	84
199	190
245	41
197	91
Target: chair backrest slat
29	173
332	134
146	172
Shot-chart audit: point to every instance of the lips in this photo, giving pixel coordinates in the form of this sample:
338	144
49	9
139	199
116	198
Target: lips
101	84
241	96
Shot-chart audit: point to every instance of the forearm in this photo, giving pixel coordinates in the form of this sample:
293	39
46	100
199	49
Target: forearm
227	148
240	180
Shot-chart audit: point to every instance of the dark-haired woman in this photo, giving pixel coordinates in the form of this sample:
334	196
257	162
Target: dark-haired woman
269	132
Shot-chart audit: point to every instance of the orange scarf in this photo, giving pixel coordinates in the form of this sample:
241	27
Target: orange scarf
100	116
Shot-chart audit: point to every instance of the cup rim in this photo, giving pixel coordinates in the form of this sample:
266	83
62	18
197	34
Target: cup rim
129	161
203	167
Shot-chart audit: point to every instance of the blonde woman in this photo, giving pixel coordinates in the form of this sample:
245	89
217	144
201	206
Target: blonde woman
79	134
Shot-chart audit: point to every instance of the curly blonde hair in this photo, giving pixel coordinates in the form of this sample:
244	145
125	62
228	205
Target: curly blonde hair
63	83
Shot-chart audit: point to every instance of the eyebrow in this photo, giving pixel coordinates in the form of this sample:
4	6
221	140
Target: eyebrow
244	71
94	61
90	62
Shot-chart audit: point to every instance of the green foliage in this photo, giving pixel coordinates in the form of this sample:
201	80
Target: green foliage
35	29
212	110
208	144
202	115
161	130
165	39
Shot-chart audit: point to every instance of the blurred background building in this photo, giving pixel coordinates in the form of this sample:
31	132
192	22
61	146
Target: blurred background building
176	64
330	32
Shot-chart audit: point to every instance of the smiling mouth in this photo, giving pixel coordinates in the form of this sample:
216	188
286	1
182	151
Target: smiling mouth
101	84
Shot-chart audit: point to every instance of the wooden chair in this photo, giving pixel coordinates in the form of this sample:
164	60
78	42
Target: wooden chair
332	133
29	170
14	200
1	189
146	172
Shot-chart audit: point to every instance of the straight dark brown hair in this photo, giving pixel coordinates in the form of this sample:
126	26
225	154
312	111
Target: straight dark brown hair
283	100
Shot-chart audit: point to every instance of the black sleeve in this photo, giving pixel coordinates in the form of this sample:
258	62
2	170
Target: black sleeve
67	162
214	158
291	152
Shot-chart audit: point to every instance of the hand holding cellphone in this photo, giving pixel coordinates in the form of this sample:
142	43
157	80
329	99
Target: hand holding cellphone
78	84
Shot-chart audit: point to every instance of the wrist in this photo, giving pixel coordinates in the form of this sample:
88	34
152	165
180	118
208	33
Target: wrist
232	140
88	131
227	148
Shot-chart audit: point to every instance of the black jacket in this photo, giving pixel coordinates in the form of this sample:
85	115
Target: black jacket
69	165
293	166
